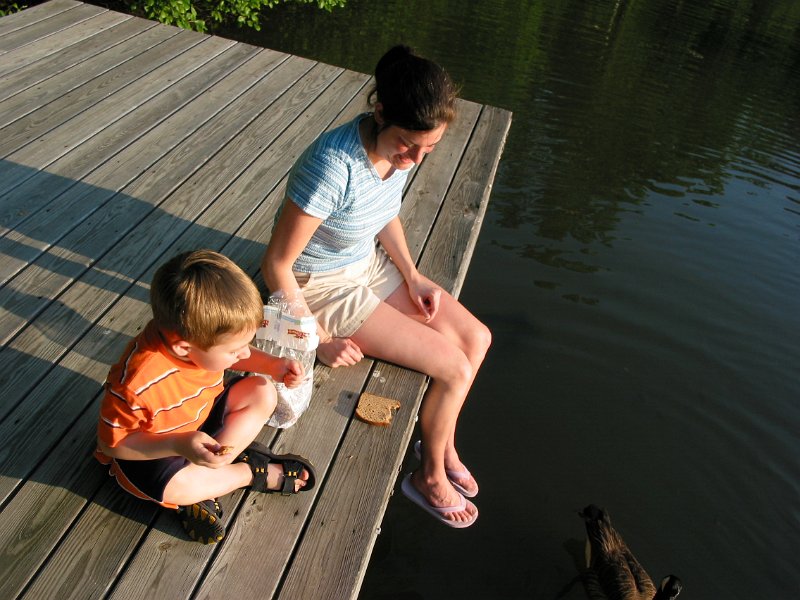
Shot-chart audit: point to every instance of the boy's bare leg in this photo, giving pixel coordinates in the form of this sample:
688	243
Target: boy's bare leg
251	401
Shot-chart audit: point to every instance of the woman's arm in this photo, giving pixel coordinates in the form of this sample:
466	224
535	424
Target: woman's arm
393	239
424	293
289	238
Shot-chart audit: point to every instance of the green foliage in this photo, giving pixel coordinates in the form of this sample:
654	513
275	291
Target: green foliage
205	15
7	8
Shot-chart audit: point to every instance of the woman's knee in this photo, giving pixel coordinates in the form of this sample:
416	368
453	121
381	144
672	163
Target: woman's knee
457	370
483	338
478	341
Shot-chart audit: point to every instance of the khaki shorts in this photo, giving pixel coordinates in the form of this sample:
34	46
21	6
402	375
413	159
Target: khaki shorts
342	299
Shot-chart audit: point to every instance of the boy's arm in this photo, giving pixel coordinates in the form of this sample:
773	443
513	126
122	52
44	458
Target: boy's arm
196	446
283	370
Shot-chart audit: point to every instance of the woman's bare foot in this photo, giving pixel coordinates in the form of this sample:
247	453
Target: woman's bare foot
443	495
464	480
456	472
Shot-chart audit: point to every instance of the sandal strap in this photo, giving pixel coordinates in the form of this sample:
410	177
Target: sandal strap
292	469
258	467
258	457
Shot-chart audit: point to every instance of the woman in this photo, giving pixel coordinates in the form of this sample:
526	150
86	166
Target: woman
343	193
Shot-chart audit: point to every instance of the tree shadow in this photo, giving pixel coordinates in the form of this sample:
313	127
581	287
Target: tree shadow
73	295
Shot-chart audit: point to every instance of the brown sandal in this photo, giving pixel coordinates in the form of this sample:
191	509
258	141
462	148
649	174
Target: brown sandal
203	521
257	456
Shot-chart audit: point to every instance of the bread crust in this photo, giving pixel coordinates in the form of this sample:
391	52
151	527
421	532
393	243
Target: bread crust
376	410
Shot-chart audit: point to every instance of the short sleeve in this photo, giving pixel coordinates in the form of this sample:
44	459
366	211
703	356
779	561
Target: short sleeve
318	182
119	417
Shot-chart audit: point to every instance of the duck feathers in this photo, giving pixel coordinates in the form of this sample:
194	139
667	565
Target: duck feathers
612	571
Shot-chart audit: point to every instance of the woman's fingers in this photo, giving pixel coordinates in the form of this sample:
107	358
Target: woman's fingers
340	352
351	353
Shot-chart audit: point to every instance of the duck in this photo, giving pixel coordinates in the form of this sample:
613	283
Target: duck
612	571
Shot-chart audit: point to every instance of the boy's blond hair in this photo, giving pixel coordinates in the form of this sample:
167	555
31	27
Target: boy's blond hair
201	295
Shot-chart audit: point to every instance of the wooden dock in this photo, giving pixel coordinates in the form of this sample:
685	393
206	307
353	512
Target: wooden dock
122	143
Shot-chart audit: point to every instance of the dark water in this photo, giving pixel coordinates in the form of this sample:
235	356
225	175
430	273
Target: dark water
646	318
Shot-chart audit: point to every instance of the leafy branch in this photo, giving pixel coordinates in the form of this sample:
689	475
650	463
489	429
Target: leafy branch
202	15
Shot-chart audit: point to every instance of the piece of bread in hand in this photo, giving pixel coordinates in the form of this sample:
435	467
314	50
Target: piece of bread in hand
376	409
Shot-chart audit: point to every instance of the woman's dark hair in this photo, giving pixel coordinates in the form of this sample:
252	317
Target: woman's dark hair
415	93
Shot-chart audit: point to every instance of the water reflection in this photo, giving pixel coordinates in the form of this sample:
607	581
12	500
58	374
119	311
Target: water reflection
646	214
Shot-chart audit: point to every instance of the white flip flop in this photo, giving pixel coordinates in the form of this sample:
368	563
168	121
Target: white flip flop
410	492
451	475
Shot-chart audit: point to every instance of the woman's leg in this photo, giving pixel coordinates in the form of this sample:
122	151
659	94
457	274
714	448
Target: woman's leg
461	327
449	348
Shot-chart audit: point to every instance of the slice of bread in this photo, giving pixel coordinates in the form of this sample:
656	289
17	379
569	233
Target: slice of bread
376	409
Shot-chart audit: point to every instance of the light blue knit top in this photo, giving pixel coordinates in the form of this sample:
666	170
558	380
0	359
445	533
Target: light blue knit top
335	181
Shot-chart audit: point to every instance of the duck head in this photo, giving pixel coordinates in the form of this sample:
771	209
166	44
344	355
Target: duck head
669	589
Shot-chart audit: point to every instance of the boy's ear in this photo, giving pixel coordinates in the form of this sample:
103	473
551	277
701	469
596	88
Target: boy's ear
180	348
378	113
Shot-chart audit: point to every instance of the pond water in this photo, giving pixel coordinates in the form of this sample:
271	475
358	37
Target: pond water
646	318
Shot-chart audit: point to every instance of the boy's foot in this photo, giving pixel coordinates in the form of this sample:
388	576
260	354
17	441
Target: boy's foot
258	457
203	521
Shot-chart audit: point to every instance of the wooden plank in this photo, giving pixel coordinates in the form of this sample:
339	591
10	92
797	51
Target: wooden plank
116	104
113	275
60	108
80	569
447	255
217	131
25	243
339	537
188	555
129	176
177	562
424	197
143	147
48	504
54	47
43	69
32	15
362	477
47	27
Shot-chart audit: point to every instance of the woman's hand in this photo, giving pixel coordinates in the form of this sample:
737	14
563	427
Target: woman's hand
425	294
339	352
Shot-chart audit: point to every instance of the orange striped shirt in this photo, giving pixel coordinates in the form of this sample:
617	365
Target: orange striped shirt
150	390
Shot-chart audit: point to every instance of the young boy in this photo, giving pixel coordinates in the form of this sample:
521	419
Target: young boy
170	429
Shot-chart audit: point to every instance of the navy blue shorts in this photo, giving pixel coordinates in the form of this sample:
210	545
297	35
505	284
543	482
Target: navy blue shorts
152	476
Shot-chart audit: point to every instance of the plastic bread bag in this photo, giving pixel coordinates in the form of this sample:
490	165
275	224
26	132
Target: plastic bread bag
289	331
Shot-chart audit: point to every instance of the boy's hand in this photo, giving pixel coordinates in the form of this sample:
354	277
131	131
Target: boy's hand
201	449
290	373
